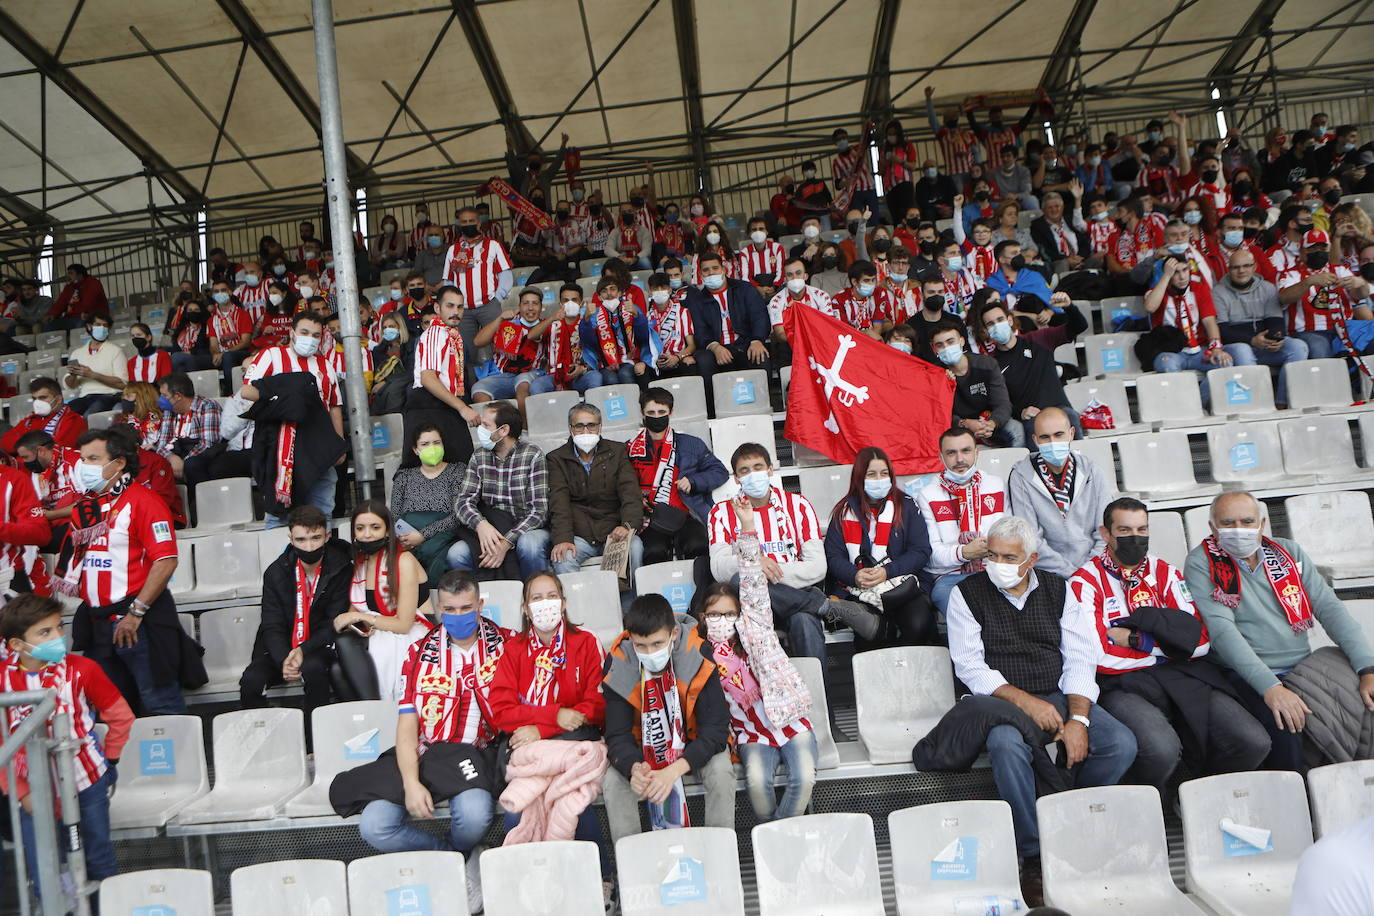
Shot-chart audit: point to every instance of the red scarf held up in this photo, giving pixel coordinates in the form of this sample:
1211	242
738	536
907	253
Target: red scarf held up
565	349
613	353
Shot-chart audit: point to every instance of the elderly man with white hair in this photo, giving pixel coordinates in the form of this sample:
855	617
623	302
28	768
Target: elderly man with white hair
1259	596
1018	634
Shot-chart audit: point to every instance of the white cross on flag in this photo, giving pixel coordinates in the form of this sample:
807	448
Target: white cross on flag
849	391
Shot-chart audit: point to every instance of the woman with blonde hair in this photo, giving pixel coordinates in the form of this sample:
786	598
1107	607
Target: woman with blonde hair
140	410
1351	230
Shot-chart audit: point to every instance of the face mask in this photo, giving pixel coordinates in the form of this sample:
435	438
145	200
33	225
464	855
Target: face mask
1018	262
715	281
1240	543
1094	161
310	556
572	309
758	236
1209	176
720	629
251	279
485	439
882	246
842	145
865	290
1131	549
585	442
546	613
434	240
50	652
306	291
1099	217
34	466
41	408
980	196
612	305
594	209
1252	232
811	232
656	424
671	216
279	269
878	489
954	264
1000	332
696	210
127	406
1367	272
469	232
368	548
898	278
164	404
90	478
391	333
660	296
275	298
931	173
933	303
796	284
388	227
142	344
99	332
627	219
1051	163
675	283
950	355
853	228
755	484
901	346
654	662
1242	188
578	194
1056	453
713	238
305	346
1153	136
960	477
1333	196
1192	217
431	455
1003	575
1232	238
460	626
1317	259
829	262
1177	248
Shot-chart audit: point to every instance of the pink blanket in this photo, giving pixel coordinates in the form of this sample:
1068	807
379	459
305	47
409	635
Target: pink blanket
550	783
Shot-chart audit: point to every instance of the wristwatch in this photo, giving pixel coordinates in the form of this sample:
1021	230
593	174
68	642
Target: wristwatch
1134	640
138	609
1081	720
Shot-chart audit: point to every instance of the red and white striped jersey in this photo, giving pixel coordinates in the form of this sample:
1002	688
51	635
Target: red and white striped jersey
23	529
1284	257
906	298
54	485
784	525
281	360
957	147
675	319
864	313
253	299
843	165
994	138
1319	305
817	299
150	368
726	262
979	260
959	290
1102	592
475	266
1162	181
440	350
727	327
336	361
229	323
1100	232
1220	197
751	261
139	534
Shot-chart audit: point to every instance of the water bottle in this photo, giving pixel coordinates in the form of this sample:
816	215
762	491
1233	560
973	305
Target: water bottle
989	905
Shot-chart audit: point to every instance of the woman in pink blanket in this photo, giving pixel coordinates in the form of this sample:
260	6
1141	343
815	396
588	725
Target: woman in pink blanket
548	686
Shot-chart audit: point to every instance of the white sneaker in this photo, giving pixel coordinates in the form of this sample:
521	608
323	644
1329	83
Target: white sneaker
474	876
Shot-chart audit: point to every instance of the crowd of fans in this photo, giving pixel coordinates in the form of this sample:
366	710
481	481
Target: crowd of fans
1060	622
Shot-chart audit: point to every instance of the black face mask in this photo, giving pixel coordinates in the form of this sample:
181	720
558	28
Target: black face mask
127	406
469	232
562	215
627	218
853	228
34	466
368	548
913	223
143	345
184	295
1332	197
1209	176
1367	271
1018	262
1131	549
1317	260
787	188
314	556
934	303
416	292
829	262
1243	188
594	209
980	196
197	317
656	424
882	245
636	202
1251	232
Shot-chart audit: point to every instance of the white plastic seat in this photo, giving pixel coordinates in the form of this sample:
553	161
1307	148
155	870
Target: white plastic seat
404	883
901	693
183	581
222	504
1112	354
205	382
501	600
1241	391
1000	461
346	735
388	435
689	397
228	637
101	420
1340	794
1320	447
742	392
259	767
1366	435
1067	353
532	879
1251	874
619	406
672	579
1248	455
1103	850
227	565
163	770
271	543
1167	539
824	487
689	872
1099	452
305	886
827	754
49	340
159	892
1171	399
1336	530
700	428
548	413
729	433
817	863
1319	384
803	457
1108	391
594	602
950	850
1160	465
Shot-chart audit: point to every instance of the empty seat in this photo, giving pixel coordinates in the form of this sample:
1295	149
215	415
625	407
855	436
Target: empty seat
290	886
695	871
405	883
827	754
804	457
1103	849
817	863
1111	354
206	382
741	392
901	693
271	543
951	850
1318	384
1171	399
548	413
531	879
1320	447
1341	794
222	504
1248	455
1099	451
1366	434
824	487
1167	540
388	435
1000	461
1336	530
1160	465
159	892
594	602
346	735
501	600
730	433
1239	391
619	405
259	767
1111	392
227	565
227	636
163	770
183	582
1242	836
689	397
101	420
673	580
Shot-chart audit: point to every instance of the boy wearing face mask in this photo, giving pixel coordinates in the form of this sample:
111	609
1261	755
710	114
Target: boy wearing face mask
670	331
517	337
567	368
96	370
1153	670
796	291
760	262
865	306
616	333
981	403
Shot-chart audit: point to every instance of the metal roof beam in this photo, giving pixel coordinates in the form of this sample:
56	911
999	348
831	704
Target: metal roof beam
24	210
480	45
79	93
1060	68
689	65
1260	21
878	89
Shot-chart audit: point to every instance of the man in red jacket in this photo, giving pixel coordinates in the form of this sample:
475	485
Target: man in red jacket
23	530
49	413
82	295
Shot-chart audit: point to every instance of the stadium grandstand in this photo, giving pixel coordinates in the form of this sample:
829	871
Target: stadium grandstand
812	457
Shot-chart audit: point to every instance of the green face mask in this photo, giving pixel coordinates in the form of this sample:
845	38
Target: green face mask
431	455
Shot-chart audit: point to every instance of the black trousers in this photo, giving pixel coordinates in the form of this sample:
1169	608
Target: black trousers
687	543
1285	748
262	673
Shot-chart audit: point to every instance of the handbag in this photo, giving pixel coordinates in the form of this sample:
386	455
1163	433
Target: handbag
667	519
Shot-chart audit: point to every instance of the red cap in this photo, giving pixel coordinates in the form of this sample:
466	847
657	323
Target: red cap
1315	237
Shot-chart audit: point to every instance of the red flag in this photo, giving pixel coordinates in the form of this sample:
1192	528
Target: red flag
849	391
517	204
572	162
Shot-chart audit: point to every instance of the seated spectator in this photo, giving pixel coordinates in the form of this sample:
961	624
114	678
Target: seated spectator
1230	239
676	473
423	502
1033	382
875	545
1058	238
809	248
631	241
1250	316
517	339
31	308
594	496
232	456
729	320
1014	179
302	590
828	270
53	469
47	413
793	556
666	716
978	202
1179	244
767	698
960	282
1350	227
1134	241
1184	335
934	193
813	197
933	315
796	291
139	408
148	364
96	371
760	262
615	333
864	306
190	425
1061	494
82	295
670	331
503	500
1054	174
1018	634
190	337
979	257
1095	174
904	288
1152	666
436	394
375	630
231	333
1259	597
1322	297
1289	234
568	370
1014	279
981	403
958	506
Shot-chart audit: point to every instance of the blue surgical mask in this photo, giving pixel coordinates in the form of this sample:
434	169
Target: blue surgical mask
305	346
164	404
953	265
391	333
485	439
460	626
865	290
931	173
878	488
959	478
898	278
1192	217
1000	332
755	484
50	652
950	355
715	281
221	297
675	283
1232	238
435	241
1056	453
654	662
90	478
1177	248
99	332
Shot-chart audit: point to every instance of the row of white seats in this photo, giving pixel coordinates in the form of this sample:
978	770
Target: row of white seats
1101	848
737	393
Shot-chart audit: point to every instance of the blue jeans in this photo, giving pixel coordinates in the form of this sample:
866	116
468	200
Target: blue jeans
1318	343
585	550
625	375
760	761
531	551
543	384
1241	355
383	825
588	828
94	803
1111	751
153	699
939	592
1292	350
321	496
500	386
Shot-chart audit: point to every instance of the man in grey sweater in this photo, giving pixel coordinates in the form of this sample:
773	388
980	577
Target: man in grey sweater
1249	313
1062	494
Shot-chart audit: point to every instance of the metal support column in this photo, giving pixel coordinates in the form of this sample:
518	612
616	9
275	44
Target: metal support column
1273	76
340	201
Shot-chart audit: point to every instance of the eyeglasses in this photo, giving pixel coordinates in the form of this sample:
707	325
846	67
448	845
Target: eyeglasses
586	427
732	616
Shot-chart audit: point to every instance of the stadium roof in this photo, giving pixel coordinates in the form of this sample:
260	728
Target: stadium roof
108	107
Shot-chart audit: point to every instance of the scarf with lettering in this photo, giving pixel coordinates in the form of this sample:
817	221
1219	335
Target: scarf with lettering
735	677
226	329
89	524
970	505
613	351
548	661
658	480
565	351
50	677
516	350
305	596
1059	484
1279	568
629	239
286	463
54	421
443	691
664	737
984	261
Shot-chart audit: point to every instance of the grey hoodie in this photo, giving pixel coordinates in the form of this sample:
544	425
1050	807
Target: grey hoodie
1066	541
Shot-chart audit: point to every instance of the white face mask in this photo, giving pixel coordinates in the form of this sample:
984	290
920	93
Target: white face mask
41	408
275	298
713	238
1003	575
546	613
1240	543
305	346
758	236
796	284
586	441
660	296
811	232
720	629
612	305
306	291
572	309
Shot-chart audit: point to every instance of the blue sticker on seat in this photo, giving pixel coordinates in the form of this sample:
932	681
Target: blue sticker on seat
680	596
1238	392
684	883
157	758
1244	455
614	408
1113	359
548	297
743	392
155	910
1234	846
956	862
408	900
364	746
381	436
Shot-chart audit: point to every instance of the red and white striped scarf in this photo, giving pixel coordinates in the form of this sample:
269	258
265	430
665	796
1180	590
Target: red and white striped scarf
664	736
970	505
1059	484
444	690
548	661
50	677
357	589
1279	568
879	529
189	336
565	349
660	486
1135	584
613	352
